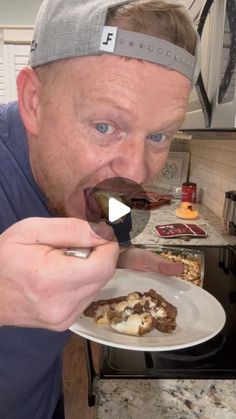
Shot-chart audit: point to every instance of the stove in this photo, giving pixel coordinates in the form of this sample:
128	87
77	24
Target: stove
214	359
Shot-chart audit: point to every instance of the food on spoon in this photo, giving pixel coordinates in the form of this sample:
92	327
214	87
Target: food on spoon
135	314
102	197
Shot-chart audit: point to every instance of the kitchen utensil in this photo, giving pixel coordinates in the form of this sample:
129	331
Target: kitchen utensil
78	252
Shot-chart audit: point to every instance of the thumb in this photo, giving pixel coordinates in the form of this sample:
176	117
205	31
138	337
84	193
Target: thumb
170	268
146	261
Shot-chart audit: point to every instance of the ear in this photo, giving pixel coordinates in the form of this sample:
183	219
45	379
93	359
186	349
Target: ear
29	94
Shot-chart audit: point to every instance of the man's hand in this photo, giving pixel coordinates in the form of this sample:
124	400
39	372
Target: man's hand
42	287
145	261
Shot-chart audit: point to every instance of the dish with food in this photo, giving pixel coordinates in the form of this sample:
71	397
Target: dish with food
200	316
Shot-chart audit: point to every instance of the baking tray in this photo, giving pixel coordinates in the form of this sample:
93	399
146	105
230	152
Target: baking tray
193	273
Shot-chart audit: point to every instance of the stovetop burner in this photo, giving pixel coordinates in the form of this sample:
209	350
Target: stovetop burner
212	359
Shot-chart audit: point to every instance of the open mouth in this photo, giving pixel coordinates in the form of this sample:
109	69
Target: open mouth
97	202
97	198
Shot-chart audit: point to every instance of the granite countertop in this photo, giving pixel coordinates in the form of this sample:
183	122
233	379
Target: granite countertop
166	399
166	215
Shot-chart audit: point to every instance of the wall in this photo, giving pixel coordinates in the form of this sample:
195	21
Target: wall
18	12
212	167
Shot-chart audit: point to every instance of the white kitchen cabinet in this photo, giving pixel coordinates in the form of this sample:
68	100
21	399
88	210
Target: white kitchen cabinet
12	60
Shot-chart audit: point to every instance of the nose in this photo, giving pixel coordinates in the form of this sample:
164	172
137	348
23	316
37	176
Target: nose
132	162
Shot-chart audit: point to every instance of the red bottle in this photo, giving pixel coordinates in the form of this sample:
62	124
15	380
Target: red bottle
189	192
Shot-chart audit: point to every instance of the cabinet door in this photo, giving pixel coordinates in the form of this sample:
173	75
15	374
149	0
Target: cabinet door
14	58
4	75
18	59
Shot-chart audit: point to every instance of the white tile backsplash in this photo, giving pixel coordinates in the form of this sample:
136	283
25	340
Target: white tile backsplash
213	168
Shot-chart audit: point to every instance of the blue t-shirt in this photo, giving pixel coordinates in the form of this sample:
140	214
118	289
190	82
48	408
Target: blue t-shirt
30	359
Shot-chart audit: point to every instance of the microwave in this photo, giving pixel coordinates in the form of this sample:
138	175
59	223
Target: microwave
212	103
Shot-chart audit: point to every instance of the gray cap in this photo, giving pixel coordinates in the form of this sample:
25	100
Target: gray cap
76	28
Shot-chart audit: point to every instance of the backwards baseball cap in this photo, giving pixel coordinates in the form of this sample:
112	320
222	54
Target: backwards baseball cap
77	28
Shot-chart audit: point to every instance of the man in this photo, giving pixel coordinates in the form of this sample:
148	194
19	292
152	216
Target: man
89	109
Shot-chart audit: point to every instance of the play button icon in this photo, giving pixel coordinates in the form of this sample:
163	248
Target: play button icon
116	209
121	203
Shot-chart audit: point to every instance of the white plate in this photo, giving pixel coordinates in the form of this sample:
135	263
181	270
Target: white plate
200	315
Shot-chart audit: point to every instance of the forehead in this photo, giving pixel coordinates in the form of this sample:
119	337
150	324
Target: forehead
126	82
114	69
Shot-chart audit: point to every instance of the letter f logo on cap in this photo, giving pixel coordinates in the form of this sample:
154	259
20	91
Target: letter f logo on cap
109	38
108	41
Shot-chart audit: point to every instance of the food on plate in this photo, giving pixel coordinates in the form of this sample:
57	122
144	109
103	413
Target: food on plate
135	314
145	200
141	200
192	267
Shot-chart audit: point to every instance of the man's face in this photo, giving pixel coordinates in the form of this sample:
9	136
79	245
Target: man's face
104	117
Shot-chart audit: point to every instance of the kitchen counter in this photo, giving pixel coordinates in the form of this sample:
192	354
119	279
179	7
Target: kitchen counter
166	215
166	399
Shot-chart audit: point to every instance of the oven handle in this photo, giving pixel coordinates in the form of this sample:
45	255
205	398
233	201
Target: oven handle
176	357
200	88
229	72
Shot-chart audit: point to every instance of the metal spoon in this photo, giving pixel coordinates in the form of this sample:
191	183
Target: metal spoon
78	252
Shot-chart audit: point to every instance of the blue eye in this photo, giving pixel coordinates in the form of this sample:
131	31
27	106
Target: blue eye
158	138
104	128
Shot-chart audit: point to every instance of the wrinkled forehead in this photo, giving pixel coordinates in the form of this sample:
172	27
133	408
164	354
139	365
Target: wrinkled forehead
112	82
